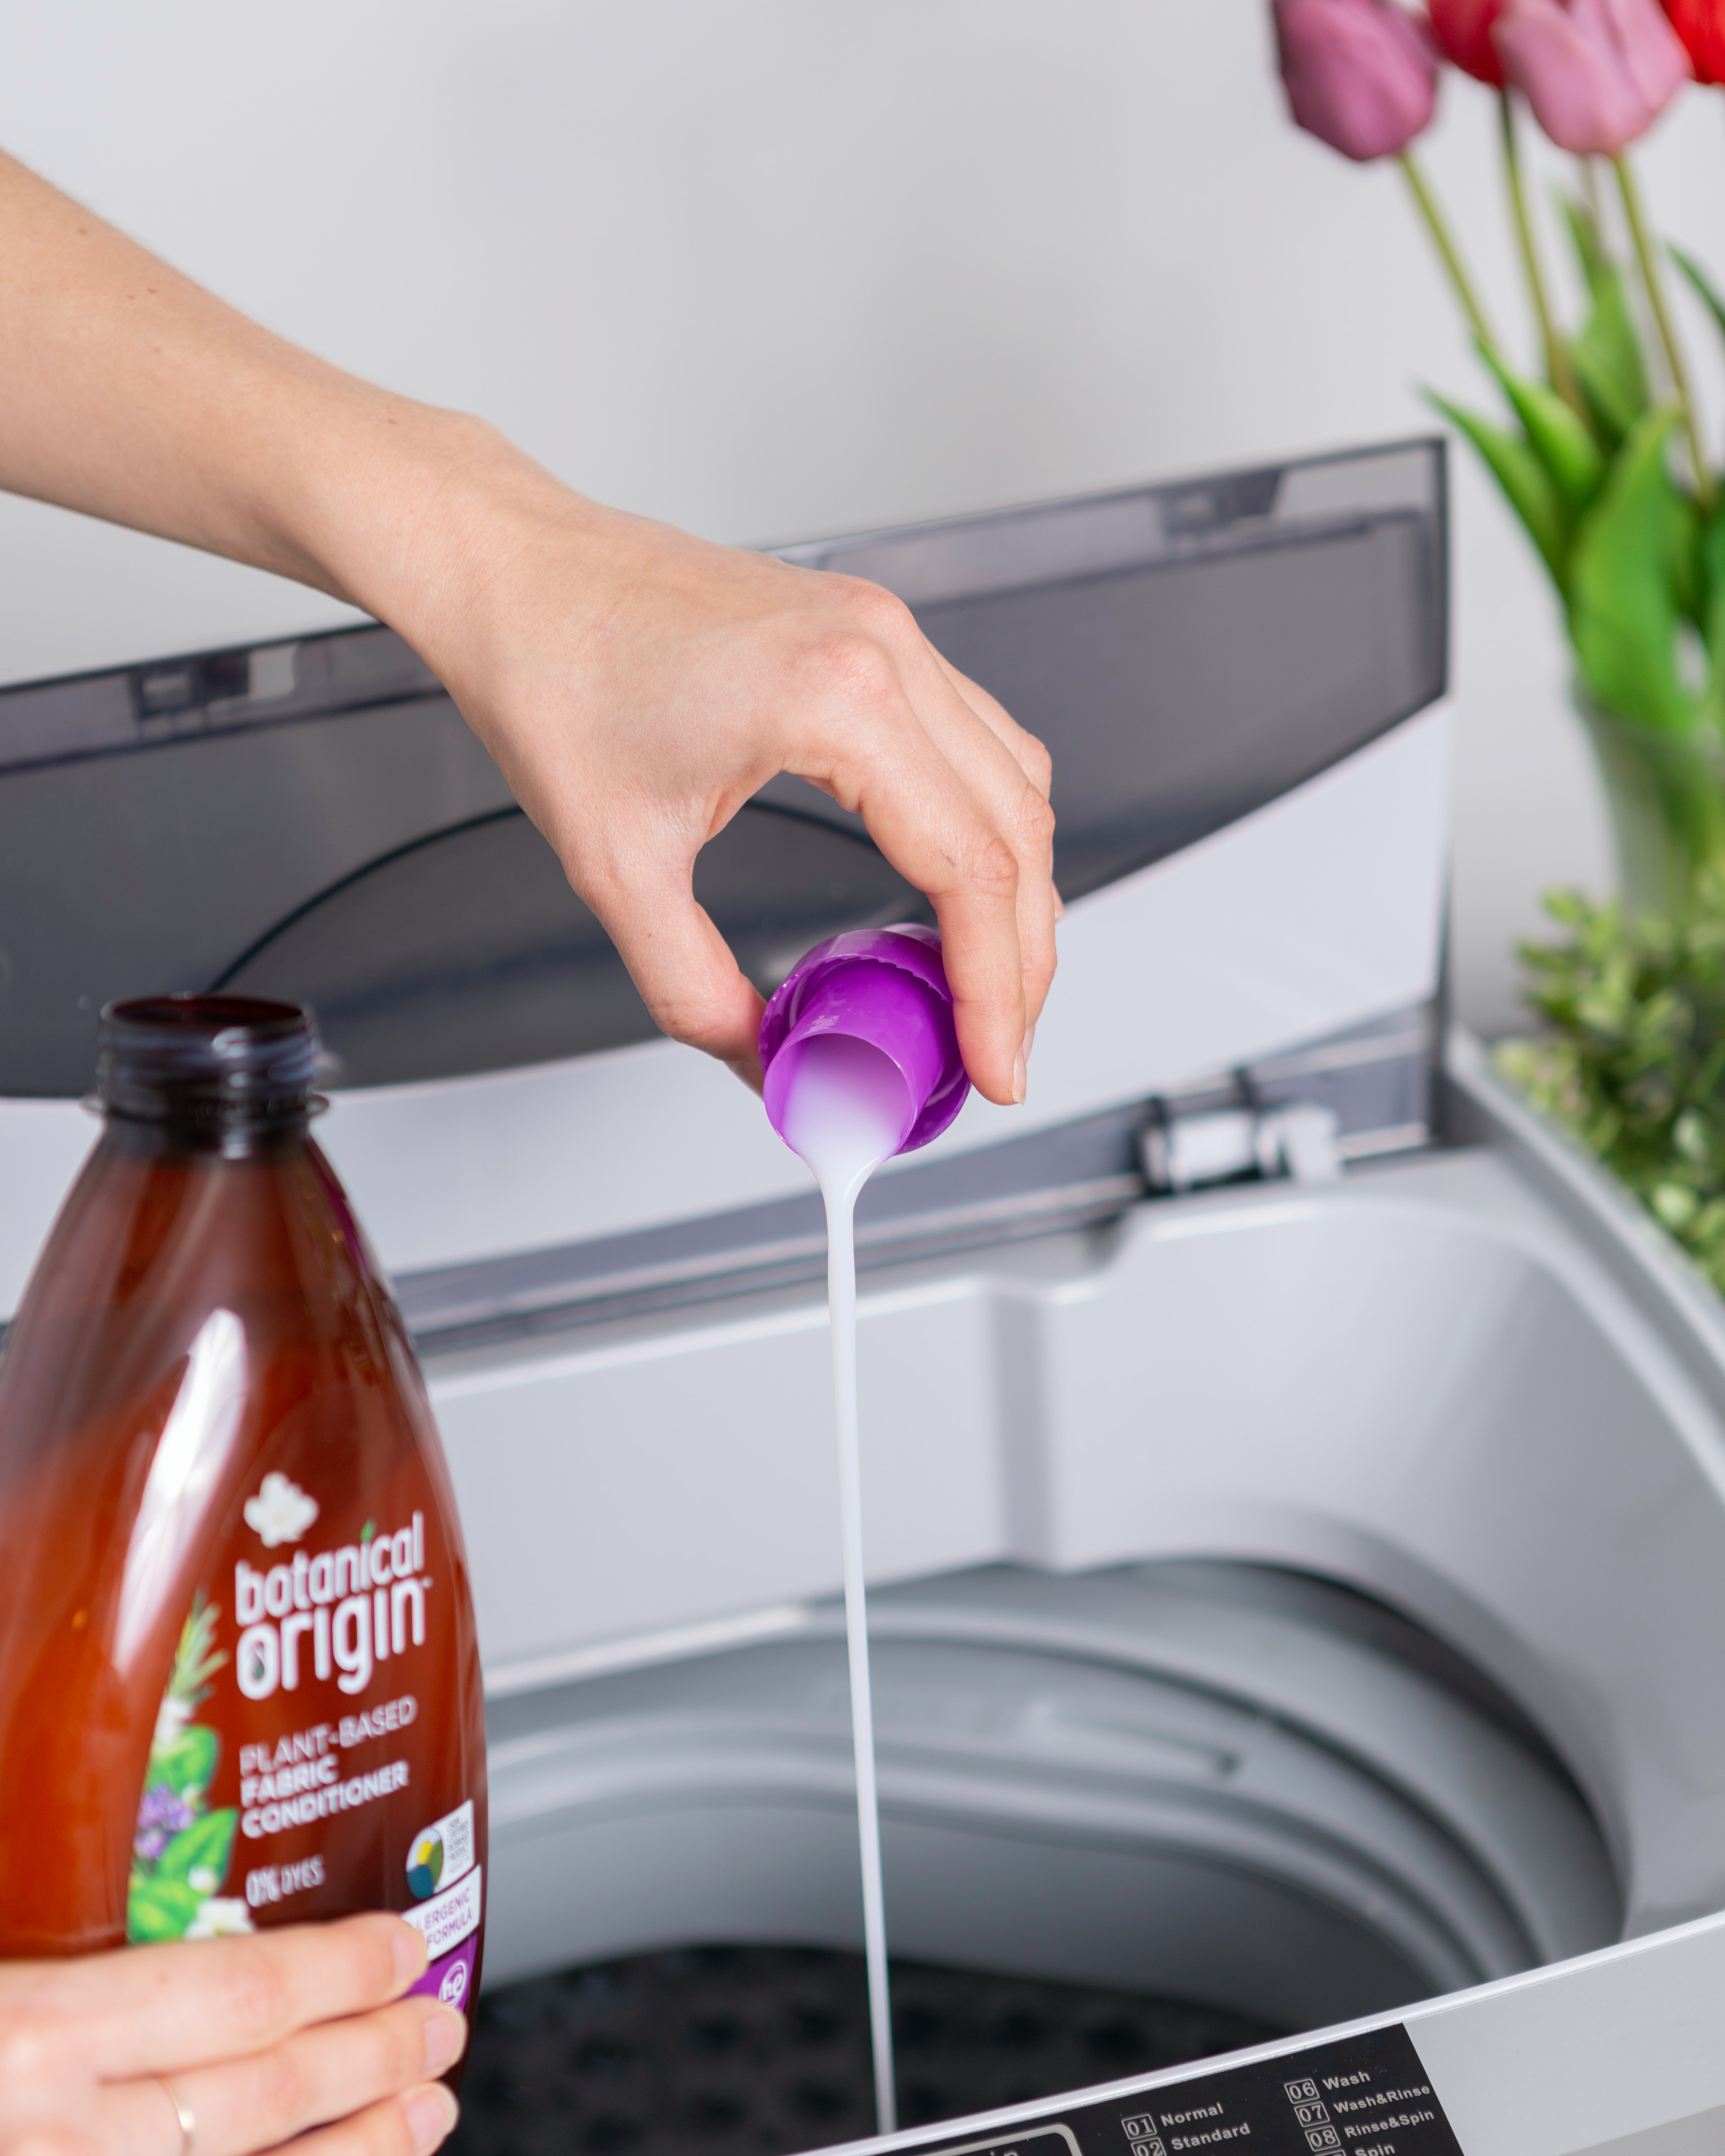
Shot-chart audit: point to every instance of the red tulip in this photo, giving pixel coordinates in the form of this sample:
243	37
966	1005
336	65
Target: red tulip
1597	73
1463	29
1701	24
1360	75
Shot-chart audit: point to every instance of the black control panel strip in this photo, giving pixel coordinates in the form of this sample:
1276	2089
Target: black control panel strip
1366	2094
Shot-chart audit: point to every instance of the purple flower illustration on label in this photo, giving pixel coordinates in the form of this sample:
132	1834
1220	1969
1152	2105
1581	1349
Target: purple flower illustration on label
163	1813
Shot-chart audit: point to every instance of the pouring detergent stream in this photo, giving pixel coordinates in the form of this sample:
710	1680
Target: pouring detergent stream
861	1061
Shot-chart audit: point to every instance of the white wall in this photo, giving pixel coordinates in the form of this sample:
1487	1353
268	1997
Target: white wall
774	268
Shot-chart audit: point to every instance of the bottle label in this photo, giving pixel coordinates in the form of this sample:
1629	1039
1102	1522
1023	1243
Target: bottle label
290	1772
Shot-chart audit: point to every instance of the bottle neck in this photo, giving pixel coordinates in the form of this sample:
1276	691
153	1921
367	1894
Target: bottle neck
224	1076
207	1137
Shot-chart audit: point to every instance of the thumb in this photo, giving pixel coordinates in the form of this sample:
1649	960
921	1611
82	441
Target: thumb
687	977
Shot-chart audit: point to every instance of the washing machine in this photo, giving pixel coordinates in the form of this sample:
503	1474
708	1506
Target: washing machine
1293	1478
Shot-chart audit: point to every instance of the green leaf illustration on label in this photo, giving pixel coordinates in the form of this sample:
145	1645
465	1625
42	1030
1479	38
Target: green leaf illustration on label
160	1909
188	1763
181	1849
198	1854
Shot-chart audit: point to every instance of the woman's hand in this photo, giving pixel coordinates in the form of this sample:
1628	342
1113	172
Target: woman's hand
636	685
282	2034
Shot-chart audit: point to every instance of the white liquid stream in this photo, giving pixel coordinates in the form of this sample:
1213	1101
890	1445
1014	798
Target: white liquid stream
844	1115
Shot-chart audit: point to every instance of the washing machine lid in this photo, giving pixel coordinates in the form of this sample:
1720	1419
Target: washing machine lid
315	821
1229	672
1190	651
311	819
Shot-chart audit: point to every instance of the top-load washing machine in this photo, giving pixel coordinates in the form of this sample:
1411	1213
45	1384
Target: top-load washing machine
1295	1481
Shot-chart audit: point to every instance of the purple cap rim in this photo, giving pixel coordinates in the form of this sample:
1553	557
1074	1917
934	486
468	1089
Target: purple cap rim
913	949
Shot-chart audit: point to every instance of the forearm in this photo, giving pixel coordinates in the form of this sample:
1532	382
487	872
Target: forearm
128	393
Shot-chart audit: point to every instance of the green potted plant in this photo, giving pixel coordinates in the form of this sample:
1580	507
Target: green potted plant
1598	449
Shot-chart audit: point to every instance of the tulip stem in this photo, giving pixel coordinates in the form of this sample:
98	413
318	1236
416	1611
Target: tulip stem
1438	226
1559	371
1654	286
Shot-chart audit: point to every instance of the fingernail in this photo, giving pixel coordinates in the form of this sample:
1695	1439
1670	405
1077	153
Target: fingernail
408	1946
1018	1079
445	2036
1029	1043
432	2113
1059	907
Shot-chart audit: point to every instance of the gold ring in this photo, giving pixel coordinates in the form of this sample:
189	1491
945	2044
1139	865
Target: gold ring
182	2113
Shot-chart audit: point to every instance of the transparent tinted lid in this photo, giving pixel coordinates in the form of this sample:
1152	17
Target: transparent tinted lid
1190	651
312	821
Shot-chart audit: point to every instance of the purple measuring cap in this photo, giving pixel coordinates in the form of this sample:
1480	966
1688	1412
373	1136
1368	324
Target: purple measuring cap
884	986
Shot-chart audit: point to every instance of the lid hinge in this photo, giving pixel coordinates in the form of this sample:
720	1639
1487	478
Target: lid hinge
1188	1152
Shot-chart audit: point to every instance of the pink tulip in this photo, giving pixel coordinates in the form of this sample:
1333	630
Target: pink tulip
1360	75
1597	73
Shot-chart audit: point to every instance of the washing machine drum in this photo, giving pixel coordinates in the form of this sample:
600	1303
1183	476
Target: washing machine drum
1221	1782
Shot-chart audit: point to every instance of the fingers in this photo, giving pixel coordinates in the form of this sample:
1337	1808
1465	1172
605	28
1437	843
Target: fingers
1008	770
158	2009
873	754
1032	759
408	2125
683	967
335	2071
1039	909
956	799
140	2120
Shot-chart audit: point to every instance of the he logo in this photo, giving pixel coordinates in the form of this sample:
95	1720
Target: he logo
454	1987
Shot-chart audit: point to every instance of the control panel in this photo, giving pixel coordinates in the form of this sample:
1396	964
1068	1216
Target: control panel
1367	2094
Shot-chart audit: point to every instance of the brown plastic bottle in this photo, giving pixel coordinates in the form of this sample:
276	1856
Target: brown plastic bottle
239	1680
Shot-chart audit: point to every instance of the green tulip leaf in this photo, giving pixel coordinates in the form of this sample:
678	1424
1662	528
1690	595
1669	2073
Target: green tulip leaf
1707	611
1703	283
1592	255
1631	556
1614	405
1707	607
1561	442
1530	490
1607	354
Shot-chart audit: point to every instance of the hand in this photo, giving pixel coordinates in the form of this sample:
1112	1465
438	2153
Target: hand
637	687
285	2033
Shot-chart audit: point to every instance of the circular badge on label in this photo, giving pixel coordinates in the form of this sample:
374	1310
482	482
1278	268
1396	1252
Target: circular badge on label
425	1862
454	1987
